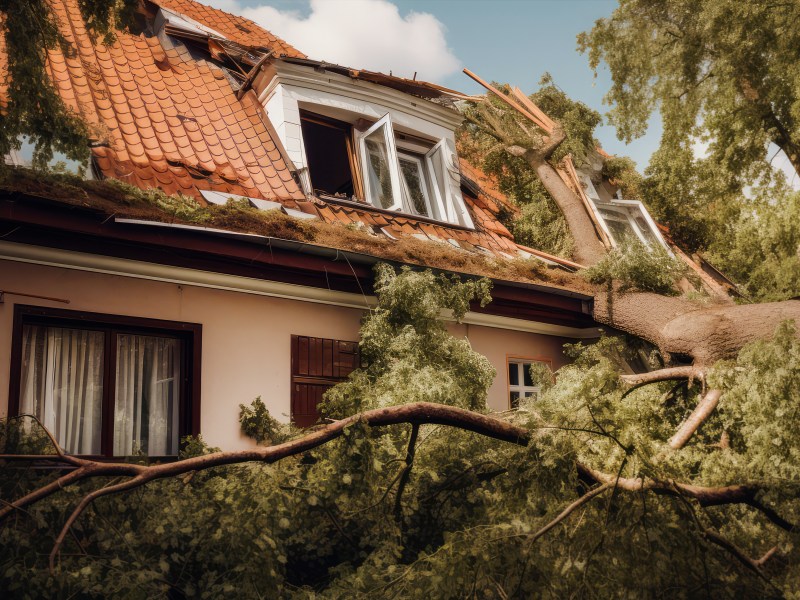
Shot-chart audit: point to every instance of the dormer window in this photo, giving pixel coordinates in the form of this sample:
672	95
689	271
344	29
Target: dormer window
623	220
367	143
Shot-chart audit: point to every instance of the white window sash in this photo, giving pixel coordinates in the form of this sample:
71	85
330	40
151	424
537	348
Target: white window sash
384	122
443	206
423	184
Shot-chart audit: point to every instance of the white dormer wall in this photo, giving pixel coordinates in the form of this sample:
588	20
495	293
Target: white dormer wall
298	86
294	87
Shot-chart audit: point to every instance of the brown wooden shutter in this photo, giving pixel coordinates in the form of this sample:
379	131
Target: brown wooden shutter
317	364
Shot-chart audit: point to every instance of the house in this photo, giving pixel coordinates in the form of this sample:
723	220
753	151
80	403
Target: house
124	325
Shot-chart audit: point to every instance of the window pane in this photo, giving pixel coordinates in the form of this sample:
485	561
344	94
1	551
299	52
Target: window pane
147	395
513	374
618	225
438	175
62	384
644	226
378	169
514	399
526	369
412	174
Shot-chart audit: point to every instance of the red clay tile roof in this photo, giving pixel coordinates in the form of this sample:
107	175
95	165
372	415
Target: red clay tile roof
162	118
235	28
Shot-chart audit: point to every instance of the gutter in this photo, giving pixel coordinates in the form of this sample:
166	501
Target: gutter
347	255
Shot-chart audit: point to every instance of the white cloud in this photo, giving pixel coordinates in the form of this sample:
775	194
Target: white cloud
364	34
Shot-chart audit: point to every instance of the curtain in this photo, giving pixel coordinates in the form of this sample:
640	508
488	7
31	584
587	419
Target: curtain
146	402
62	384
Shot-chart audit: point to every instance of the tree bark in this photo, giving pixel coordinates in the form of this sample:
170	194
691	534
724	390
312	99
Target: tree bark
683	329
588	247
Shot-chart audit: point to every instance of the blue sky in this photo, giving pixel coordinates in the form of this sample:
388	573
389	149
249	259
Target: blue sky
513	41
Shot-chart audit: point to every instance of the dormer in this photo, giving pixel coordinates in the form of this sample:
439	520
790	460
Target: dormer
354	139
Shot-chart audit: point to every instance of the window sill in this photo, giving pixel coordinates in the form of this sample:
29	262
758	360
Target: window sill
395	213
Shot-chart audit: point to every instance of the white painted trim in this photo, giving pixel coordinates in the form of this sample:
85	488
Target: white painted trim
498	322
306	77
179	275
124	267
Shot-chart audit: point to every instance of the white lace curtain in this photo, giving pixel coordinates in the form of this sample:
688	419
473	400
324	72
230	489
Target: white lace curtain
62	384
146	407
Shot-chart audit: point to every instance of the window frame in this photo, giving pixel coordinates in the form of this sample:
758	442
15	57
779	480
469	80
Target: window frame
385	123
189	335
433	210
519	360
624	210
444	205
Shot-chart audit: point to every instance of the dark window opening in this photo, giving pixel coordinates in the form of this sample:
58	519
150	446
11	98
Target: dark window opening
329	154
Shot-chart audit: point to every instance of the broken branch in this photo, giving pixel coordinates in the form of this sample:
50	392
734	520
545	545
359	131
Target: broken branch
695	420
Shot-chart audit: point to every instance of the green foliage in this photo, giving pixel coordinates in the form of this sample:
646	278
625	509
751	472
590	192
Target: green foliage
760	251
257	423
638	268
326	524
578	120
34	108
409	353
722	70
621	171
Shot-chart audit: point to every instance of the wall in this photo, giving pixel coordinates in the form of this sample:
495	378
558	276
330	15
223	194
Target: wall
246	337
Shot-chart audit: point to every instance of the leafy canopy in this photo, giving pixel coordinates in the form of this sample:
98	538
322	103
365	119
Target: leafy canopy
724	71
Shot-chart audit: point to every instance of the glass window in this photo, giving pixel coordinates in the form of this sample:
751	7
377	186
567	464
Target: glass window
520	382
415	191
147	395
379	155
106	388
399	179
62	384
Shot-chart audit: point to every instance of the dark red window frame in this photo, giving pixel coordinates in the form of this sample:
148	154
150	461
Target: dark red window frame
189	334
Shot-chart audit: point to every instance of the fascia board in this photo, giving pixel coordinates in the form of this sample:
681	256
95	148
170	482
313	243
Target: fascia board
333	83
80	261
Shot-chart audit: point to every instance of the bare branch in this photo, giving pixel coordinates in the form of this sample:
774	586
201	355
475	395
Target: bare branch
668	374
699	415
570	509
412	446
767	555
706	496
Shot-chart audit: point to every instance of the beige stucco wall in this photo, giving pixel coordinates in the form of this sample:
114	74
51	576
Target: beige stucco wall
246	337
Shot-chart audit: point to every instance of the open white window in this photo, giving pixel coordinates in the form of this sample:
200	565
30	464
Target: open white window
623	219
380	165
416	195
392	170
520	381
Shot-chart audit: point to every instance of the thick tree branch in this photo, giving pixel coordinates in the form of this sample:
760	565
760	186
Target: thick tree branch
681	328
706	496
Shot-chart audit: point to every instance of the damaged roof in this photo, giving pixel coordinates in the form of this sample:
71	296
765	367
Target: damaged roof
174	112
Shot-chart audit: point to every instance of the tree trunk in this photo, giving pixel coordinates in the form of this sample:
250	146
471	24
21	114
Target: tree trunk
588	247
685	330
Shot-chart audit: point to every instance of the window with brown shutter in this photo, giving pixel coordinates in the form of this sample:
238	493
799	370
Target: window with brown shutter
317	364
